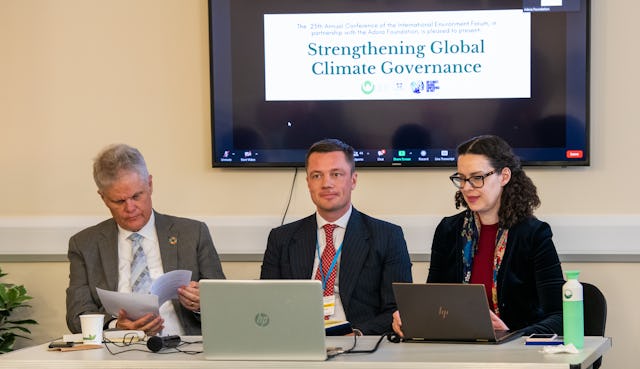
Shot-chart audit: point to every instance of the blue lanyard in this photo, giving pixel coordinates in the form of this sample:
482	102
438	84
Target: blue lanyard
325	278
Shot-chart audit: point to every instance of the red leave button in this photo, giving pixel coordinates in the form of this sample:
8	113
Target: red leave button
574	154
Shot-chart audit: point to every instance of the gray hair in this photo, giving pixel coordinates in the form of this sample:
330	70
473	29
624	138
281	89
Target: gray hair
113	160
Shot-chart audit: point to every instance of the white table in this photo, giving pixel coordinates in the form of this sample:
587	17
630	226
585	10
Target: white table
512	354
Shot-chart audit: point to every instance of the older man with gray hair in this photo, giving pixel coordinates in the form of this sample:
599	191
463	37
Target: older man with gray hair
137	245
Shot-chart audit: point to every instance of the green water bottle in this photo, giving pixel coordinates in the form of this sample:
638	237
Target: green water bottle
573	310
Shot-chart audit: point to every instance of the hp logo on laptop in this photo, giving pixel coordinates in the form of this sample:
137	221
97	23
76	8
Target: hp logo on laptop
442	312
261	319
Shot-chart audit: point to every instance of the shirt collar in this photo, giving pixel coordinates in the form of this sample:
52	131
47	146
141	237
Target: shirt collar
341	222
148	231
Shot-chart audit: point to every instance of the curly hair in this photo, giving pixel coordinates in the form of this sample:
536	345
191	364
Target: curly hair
519	196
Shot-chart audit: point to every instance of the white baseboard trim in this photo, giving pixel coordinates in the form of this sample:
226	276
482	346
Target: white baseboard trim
589	238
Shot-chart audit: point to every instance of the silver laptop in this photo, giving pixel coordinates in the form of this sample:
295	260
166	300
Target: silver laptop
447	313
262	319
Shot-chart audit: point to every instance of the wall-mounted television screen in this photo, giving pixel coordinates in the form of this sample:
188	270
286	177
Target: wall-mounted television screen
402	81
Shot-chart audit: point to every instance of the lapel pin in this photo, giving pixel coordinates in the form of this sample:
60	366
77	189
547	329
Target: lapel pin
173	240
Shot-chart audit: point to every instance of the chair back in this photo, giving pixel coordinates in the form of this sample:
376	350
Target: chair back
595	314
595	310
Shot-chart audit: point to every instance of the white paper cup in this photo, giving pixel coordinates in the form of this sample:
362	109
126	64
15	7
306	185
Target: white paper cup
92	328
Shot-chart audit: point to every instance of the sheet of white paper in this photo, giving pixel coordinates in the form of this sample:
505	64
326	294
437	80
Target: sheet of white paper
135	304
166	286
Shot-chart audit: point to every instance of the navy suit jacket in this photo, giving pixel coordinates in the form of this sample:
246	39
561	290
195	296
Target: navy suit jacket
374	254
93	256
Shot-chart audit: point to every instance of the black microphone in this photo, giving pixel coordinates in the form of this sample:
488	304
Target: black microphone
155	343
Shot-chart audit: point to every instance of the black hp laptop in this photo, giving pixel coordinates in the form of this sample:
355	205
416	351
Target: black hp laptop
441	312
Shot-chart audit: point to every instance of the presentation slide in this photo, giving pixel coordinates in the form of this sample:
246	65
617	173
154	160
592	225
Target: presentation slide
482	54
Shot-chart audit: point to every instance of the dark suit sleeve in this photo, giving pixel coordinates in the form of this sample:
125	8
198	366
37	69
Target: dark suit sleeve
290	251
79	296
195	252
444	265
208	260
271	259
208	267
548	281
396	267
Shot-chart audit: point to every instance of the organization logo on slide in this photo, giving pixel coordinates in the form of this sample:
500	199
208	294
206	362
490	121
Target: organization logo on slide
261	319
367	87
418	87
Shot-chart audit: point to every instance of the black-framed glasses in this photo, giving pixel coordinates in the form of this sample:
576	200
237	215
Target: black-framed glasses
474	181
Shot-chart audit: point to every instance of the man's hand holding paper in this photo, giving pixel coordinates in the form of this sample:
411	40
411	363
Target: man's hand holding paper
189	296
139	311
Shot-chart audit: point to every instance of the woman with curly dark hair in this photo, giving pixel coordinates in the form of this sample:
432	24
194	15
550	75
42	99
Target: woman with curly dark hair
498	242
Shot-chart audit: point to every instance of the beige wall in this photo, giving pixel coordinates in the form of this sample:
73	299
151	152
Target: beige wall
80	74
76	75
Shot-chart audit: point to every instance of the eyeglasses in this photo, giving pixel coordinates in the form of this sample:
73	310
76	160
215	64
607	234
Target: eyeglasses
474	181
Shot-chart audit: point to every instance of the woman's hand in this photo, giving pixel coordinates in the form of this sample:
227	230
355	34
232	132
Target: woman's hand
498	324
397	323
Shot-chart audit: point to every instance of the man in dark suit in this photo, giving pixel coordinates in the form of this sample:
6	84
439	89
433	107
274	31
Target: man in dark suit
368	254
101	256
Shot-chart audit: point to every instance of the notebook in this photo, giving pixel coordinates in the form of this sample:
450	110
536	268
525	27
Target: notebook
262	319
447	312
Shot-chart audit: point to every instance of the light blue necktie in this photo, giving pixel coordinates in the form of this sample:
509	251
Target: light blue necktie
140	277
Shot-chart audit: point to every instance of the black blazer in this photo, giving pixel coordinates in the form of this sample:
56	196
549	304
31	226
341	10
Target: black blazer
374	254
93	256
530	276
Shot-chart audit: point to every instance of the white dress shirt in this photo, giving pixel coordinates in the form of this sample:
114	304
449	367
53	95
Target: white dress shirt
151	249
338	238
